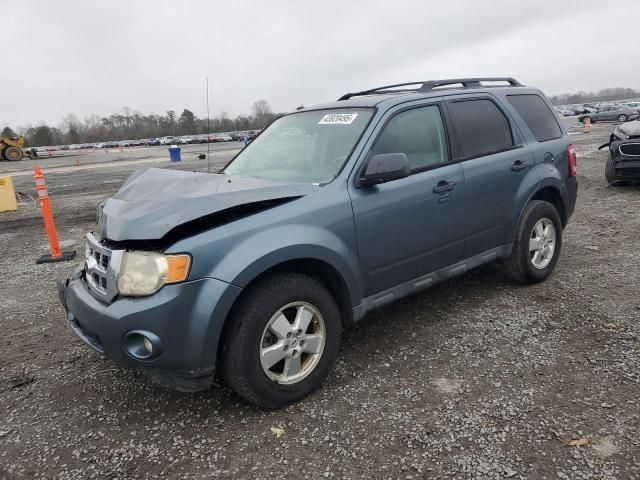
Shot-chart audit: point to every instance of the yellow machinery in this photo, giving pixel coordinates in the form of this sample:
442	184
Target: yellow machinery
11	149
7	195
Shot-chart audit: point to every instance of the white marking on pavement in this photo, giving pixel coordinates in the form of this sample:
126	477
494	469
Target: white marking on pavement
92	166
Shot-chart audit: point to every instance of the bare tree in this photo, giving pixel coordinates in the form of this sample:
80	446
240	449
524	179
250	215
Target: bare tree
262	112
171	115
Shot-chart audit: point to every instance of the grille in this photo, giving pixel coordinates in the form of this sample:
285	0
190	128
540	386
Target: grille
101	268
630	149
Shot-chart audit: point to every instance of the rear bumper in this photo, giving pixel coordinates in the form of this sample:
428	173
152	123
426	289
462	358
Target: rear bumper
571	195
187	319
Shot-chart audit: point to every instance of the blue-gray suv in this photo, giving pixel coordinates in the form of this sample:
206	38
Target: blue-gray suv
332	211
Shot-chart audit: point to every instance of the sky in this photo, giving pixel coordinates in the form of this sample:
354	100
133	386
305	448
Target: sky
96	57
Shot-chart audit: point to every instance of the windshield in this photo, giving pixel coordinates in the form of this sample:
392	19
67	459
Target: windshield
308	147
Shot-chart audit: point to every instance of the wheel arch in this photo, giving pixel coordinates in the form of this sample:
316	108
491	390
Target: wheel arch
552	195
315	268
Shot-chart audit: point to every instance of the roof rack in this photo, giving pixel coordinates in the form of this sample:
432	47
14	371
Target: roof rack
430	85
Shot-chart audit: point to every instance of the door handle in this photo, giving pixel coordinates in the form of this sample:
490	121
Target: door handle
444	186
519	165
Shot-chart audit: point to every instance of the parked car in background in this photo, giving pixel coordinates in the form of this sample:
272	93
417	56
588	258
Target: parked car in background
623	164
168	140
634	105
186	140
99	145
153	142
564	111
111	145
610	113
254	273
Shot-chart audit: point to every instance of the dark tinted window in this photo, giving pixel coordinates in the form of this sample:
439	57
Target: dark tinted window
538	116
482	127
419	134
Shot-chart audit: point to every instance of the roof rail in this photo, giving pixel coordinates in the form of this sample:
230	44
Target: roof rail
429	85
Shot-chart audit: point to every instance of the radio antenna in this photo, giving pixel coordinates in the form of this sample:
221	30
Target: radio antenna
208	131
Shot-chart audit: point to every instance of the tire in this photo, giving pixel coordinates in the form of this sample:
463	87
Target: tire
622	118
13	154
248	336
520	265
610	174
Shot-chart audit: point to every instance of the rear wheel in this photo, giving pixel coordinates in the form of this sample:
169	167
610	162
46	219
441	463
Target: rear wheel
13	154
622	118
584	120
537	244
282	341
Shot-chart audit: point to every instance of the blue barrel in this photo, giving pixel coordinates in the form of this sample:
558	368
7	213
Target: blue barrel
174	153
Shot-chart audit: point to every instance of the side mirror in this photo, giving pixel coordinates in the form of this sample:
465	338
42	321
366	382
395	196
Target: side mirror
385	167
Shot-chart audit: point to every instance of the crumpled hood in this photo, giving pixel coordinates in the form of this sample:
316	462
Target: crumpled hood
630	129
152	202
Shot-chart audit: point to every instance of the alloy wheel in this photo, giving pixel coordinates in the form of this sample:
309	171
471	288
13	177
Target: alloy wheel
292	343
542	243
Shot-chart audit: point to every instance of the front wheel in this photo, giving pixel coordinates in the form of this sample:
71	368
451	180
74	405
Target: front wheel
610	174
622	118
537	244
282	341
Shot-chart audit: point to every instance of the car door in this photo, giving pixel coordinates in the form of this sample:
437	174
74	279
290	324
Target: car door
607	113
495	162
414	225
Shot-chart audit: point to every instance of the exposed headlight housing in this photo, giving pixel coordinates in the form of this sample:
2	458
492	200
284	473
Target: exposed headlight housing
620	134
144	273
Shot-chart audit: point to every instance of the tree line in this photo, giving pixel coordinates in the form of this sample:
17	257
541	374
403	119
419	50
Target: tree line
131	124
603	95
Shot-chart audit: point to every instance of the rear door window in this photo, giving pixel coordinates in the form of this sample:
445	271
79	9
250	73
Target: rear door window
537	115
482	127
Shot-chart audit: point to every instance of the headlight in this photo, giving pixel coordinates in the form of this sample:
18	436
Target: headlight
144	273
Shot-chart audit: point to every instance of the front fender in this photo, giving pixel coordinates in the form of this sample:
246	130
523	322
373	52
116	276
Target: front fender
257	255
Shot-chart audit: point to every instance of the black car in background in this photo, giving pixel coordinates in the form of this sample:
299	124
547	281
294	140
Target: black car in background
623	165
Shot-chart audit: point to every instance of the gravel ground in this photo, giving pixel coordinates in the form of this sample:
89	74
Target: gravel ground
474	378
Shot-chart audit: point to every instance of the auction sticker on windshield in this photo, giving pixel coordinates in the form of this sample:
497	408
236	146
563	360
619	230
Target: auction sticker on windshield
338	118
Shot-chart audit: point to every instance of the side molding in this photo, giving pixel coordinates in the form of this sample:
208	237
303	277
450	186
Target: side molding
423	282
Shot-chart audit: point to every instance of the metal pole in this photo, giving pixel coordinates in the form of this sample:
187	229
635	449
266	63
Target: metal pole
208	131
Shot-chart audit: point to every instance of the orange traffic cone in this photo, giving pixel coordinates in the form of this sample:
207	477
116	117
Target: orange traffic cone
49	224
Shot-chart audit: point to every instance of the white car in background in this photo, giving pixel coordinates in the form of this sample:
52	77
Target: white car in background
186	140
169	140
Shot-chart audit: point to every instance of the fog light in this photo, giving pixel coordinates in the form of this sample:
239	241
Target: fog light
142	344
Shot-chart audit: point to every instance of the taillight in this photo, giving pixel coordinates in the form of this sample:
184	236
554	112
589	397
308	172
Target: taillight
571	155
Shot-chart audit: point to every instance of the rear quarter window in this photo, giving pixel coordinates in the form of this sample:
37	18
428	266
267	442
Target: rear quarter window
537	115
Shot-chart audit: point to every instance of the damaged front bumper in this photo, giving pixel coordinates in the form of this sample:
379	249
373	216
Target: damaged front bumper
183	320
626	157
